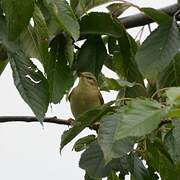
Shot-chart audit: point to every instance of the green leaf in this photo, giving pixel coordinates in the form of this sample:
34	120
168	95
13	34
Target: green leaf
172	141
88	177
137	169
83	143
152	172
127	51
82	6
158	50
34	39
118	63
3	30
84	120
64	16
174	113
18	14
171	75
91	56
3	65
111	147
31	84
3	58
74	4
113	176
59	75
173	95
100	23
167	170
112	45
140	117
40	36
93	162
115	84
136	91
1	11
69	51
125	65
159	16
53	28
27	43
116	9
158	157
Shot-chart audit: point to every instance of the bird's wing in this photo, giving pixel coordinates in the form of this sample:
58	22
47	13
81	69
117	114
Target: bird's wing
101	98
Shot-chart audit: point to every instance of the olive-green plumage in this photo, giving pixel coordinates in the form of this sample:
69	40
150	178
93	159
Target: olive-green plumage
85	95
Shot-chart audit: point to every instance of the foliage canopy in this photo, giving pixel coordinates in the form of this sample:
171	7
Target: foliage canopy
143	124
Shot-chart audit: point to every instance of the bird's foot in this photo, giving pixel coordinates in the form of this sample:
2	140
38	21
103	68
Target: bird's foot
70	121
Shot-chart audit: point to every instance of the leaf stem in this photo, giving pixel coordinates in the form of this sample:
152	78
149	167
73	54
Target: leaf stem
158	91
124	99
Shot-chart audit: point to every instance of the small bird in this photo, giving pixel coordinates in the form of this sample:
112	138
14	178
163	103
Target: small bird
85	95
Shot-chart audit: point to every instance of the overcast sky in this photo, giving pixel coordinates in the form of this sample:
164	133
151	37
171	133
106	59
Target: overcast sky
28	152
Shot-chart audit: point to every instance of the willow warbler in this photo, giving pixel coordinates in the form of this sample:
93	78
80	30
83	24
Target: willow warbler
85	95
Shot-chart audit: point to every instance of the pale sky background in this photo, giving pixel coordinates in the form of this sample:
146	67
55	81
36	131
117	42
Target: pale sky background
28	152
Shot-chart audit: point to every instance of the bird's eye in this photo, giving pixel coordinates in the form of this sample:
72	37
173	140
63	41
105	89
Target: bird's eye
90	78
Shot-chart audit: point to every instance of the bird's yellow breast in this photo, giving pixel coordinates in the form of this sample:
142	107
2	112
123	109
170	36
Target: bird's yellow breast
83	99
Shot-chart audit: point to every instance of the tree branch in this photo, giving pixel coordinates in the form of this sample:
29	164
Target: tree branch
54	120
141	19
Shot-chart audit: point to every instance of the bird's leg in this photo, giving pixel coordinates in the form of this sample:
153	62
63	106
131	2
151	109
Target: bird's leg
70	121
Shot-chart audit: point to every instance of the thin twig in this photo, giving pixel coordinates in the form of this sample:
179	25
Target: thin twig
141	33
124	99
137	35
149	27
